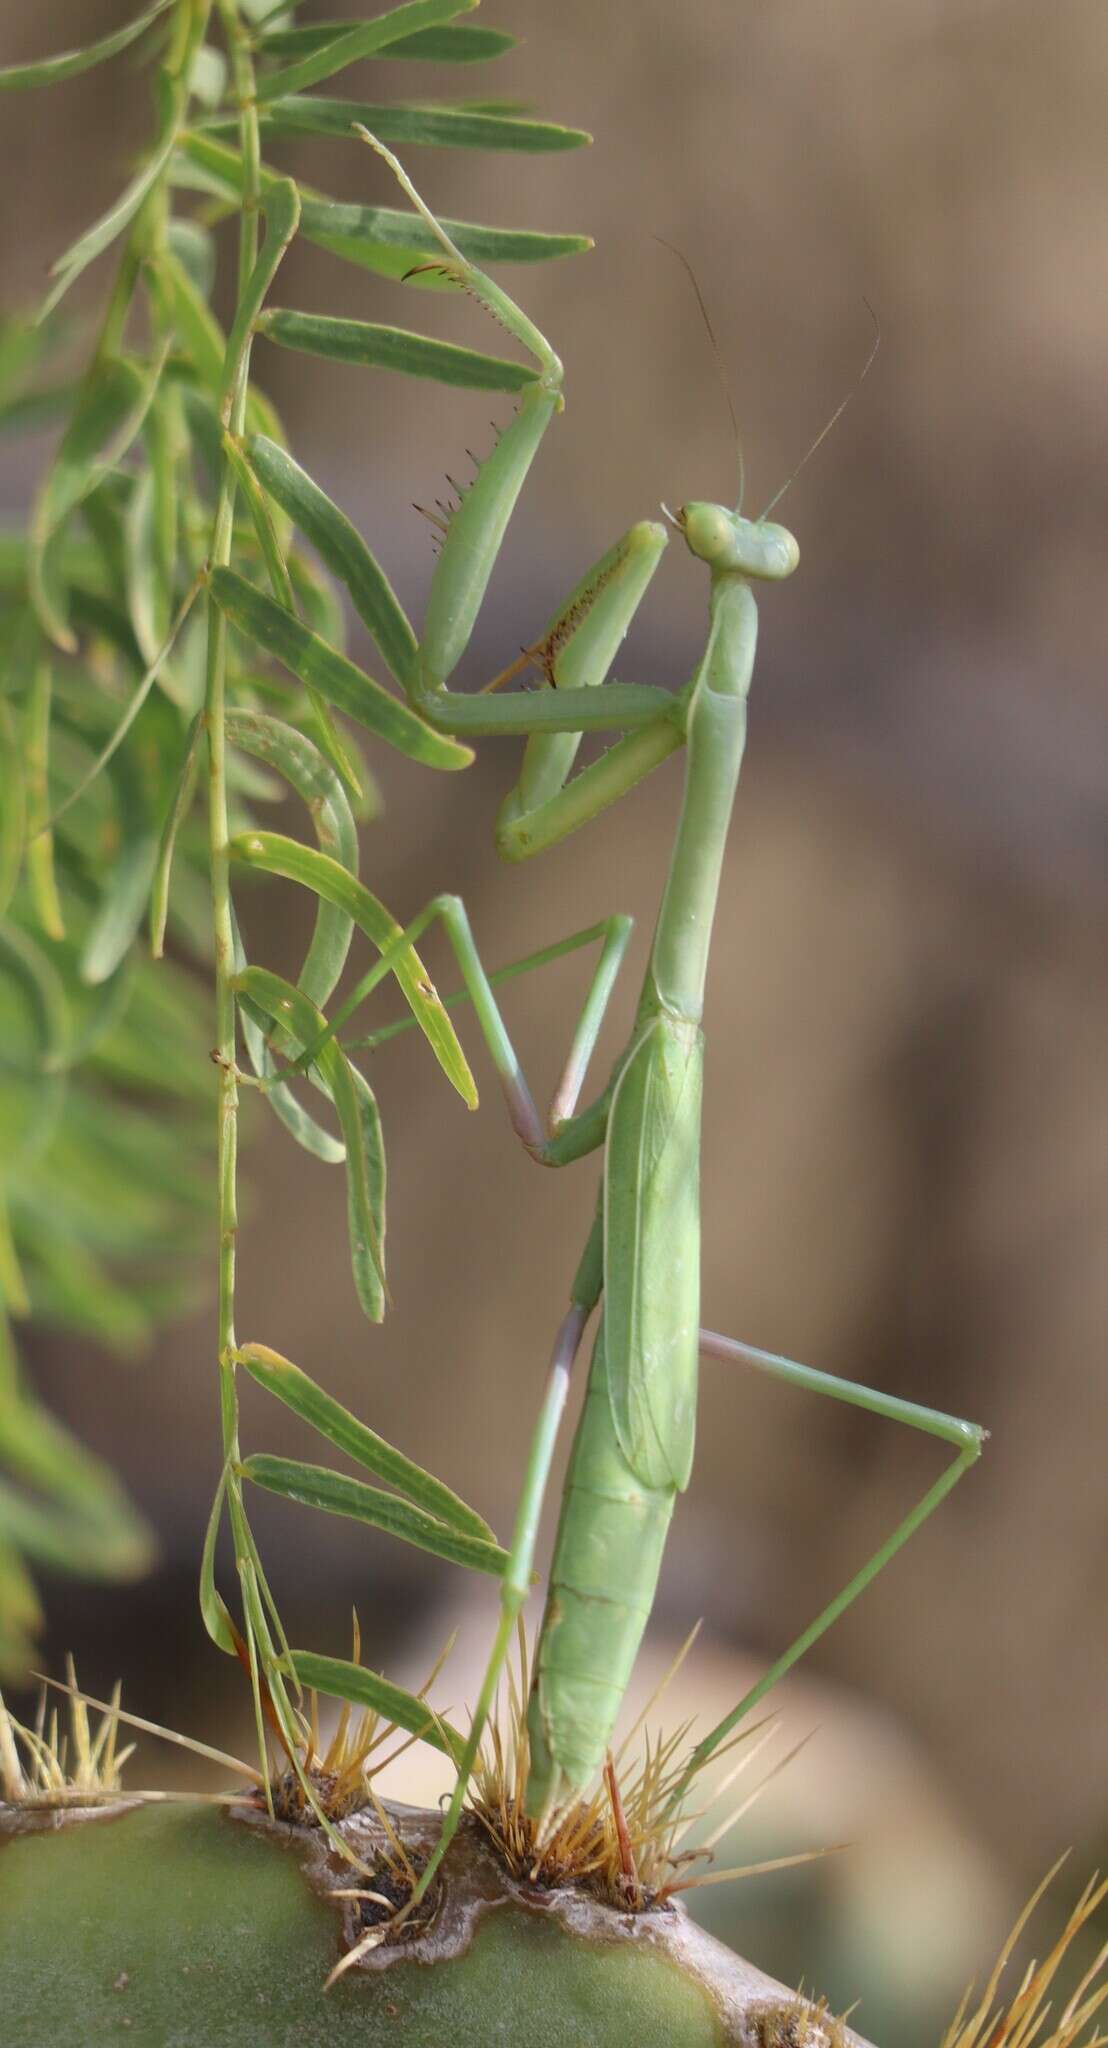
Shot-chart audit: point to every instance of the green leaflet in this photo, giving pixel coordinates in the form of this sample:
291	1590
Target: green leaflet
52	1537
341	1680
52	70
124	897
342	549
383	238
172	95
150	527
369	345
213	1608
110	411
276	855
363	39
314	1486
180	805
408	125
338	680
13	808
317	784
462	45
39	852
361	1129
198	330
294	1388
301	1126
331	741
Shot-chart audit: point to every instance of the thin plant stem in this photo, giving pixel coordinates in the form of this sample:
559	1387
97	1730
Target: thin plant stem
234	402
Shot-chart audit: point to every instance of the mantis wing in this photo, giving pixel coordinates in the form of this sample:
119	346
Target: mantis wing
652	1252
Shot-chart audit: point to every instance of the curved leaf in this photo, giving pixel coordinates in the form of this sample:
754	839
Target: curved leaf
172	95
341	1680
356	1108
52	70
300	1124
317	784
280	1377
276	855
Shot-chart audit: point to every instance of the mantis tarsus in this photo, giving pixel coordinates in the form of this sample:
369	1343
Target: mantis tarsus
634	1443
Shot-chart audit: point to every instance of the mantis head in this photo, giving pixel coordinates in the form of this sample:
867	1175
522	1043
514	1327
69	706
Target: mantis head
725	540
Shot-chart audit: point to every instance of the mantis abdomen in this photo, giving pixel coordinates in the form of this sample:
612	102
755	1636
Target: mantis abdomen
632	1453
608	1553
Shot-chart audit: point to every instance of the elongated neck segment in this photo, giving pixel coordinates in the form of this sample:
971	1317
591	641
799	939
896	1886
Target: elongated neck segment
715	739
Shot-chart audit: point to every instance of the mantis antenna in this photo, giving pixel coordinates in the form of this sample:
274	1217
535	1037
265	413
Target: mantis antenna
721	373
836	415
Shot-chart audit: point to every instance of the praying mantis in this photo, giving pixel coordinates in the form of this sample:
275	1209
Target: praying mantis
633	1448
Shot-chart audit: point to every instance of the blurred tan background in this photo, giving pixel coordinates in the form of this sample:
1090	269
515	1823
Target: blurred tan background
905	1172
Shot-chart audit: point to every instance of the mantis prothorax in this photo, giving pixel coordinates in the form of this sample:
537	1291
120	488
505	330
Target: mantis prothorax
634	1444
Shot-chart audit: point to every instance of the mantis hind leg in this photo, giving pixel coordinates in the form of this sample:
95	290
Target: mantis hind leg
516	1582
967	1440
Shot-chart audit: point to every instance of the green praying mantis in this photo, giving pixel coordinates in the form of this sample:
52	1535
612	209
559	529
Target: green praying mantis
633	1448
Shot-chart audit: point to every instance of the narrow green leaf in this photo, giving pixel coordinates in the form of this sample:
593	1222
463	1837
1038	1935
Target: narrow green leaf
460	45
39	1449
383	238
179	807
410	125
217	1621
13	806
192	245
316	782
65	1541
369	345
341	1680
330	738
356	1108
363	40
110	411
300	1393
14	1300
52	70
309	1134
342	549
276	855
40	838
148	597
316	1487
198	330
172	95
320	667
122	904
257	1028
121	908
